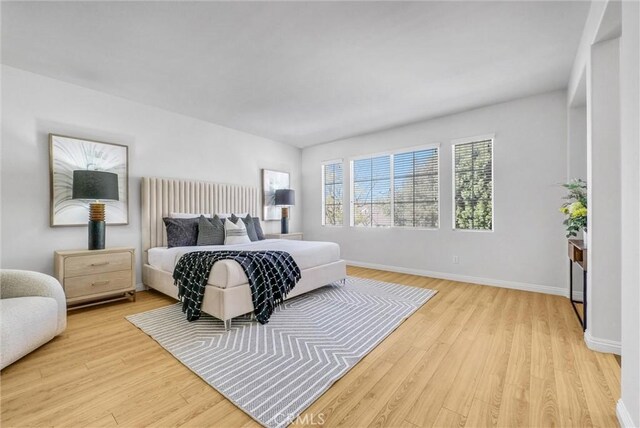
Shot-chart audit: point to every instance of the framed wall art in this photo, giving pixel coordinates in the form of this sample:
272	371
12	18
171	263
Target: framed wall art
69	154
271	181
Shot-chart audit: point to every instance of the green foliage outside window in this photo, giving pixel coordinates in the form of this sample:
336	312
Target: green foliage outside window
474	185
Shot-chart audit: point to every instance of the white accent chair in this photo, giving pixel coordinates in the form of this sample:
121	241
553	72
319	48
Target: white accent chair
33	310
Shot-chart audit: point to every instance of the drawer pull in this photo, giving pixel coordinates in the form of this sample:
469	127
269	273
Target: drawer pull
100	264
100	283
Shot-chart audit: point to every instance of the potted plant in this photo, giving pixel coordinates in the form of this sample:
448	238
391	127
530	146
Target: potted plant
575	208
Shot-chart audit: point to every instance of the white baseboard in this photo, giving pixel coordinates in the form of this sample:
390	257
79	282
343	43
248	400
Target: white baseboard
464	278
624	418
576	295
141	287
602	345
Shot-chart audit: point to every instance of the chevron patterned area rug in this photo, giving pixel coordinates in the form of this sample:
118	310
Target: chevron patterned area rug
275	371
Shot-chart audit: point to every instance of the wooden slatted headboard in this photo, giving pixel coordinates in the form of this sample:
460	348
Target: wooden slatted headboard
161	196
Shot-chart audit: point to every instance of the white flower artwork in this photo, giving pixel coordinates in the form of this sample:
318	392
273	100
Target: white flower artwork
68	154
271	181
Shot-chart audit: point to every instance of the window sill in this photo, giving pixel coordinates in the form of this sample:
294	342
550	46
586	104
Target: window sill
431	229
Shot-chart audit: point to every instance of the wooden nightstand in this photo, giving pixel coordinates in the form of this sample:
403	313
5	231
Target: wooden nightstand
296	236
91	277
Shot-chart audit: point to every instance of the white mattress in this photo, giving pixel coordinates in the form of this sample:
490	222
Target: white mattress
228	273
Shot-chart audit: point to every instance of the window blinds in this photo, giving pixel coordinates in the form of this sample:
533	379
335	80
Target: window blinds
333	191
396	190
415	188
372	192
473	191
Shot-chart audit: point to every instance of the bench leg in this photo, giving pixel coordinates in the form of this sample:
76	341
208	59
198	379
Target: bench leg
227	325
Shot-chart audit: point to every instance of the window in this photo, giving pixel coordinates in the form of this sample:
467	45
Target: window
371	192
473	185
332	179
399	189
415	188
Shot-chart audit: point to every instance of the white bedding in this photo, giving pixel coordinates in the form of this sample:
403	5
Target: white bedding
228	273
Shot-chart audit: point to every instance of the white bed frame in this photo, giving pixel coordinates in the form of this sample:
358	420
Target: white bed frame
161	196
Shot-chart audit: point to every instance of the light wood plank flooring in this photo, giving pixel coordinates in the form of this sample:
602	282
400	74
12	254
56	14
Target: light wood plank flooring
473	356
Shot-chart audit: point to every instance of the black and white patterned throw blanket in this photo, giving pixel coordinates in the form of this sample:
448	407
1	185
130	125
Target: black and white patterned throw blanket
272	275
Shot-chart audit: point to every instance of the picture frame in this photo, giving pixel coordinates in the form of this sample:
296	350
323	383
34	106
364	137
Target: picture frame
271	181
67	154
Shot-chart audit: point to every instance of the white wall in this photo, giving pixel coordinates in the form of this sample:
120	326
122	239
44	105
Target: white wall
602	24
160	143
598	58
603	194
527	248
577	162
630	212
577	168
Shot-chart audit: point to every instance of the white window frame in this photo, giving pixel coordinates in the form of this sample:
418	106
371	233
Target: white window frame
391	178
322	184
466	140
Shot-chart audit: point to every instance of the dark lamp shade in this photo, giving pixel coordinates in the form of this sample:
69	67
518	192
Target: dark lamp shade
95	185
285	197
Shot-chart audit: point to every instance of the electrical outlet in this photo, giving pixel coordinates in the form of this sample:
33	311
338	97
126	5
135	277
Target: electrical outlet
456	260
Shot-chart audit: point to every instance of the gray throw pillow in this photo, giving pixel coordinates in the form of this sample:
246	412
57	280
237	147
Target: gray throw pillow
249	224
251	227
210	231
181	232
258	227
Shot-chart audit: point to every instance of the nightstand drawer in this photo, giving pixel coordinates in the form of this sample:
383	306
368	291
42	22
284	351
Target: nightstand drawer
98	283
98	263
90	277
294	236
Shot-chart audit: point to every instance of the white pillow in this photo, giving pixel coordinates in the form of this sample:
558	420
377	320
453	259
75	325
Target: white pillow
227	215
235	233
187	215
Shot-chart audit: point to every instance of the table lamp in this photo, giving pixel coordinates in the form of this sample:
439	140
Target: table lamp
285	198
95	186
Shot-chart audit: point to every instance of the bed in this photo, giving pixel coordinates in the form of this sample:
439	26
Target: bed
227	294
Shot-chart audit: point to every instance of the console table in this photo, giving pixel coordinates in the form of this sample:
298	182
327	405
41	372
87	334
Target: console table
578	255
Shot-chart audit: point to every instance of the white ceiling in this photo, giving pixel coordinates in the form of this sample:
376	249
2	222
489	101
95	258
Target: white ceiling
300	72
